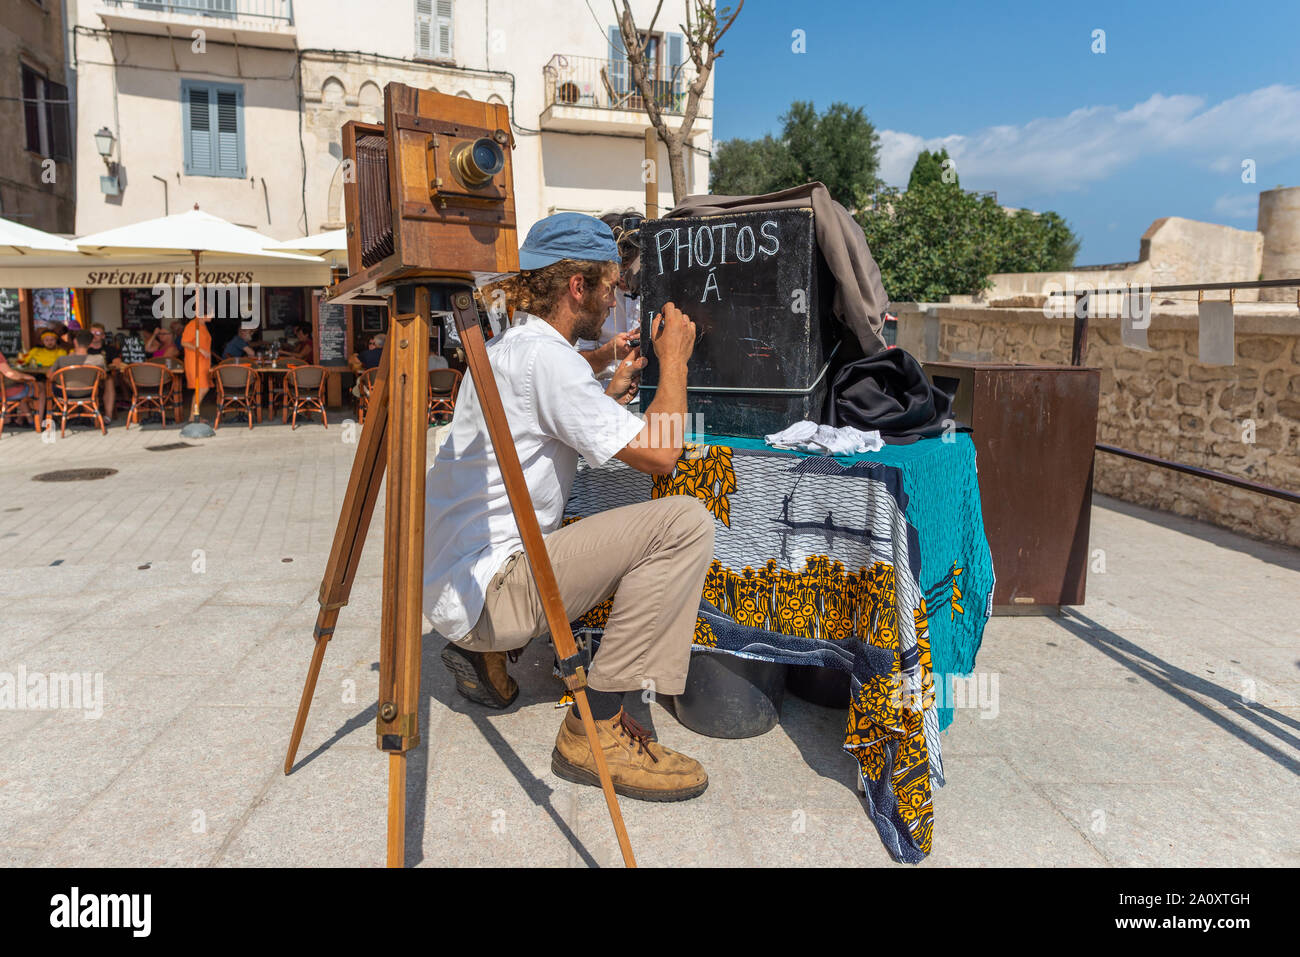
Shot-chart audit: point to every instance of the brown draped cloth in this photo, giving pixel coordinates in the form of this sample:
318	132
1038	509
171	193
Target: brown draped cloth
860	301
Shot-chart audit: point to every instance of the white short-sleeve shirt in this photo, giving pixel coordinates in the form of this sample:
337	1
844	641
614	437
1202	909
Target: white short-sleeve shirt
556	411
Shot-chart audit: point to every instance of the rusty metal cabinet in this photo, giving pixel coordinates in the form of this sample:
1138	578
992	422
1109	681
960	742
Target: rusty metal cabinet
1035	428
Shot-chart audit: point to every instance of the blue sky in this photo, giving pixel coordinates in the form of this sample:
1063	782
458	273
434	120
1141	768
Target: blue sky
1158	125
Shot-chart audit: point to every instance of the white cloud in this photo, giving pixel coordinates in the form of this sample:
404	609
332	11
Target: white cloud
1068	152
1237	205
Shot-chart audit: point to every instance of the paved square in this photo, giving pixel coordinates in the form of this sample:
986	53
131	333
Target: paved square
1157	724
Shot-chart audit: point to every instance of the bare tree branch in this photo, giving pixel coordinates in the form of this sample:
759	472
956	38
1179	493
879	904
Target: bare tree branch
717	37
701	33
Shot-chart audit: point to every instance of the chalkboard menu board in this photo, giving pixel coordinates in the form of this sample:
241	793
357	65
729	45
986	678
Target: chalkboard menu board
283	307
331	333
137	307
759	292
11	324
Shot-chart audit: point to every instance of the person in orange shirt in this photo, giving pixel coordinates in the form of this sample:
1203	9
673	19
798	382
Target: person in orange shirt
197	342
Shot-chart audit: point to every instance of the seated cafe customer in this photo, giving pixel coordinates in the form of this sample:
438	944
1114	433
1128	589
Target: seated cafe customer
44	354
302	347
239	346
22	387
100	344
368	358
159	344
80	356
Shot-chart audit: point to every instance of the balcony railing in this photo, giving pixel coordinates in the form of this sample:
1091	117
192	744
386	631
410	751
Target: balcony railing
276	11
603	83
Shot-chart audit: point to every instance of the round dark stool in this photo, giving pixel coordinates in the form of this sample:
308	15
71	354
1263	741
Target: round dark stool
731	697
824	686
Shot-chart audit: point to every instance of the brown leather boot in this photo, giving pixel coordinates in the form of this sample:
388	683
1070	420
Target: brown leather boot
481	675
640	768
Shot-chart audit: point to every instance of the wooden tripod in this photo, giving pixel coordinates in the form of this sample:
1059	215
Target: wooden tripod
395	434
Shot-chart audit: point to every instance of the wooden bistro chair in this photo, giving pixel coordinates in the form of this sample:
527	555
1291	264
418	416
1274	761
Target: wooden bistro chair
14	406
305	392
10	406
367	386
443	386
151	390
237	391
74	391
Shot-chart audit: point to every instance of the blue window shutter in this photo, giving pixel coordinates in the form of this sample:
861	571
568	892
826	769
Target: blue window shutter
212	121
198	130
618	65
676	56
228	132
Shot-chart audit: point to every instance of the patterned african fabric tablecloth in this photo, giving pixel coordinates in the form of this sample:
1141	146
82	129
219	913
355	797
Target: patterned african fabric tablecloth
874	564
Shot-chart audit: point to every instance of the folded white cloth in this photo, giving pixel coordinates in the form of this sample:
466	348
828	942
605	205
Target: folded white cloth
810	437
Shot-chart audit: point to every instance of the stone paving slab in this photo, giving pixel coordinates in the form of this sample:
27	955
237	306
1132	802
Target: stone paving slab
1159	724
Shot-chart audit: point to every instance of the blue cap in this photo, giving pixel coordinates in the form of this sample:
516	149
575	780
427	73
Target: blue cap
567	236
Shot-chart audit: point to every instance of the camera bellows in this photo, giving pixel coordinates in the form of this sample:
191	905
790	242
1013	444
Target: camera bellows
376	209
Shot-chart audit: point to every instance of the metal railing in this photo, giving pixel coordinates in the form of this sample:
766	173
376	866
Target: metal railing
272	10
605	83
1083	310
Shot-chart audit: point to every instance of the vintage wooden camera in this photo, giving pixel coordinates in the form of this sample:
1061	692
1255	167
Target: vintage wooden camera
429	193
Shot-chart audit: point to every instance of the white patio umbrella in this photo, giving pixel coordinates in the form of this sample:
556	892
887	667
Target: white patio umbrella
332	246
334	241
23	245
192	232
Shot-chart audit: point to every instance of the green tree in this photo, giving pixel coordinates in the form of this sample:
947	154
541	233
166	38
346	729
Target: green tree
752	167
934	241
928	168
839	148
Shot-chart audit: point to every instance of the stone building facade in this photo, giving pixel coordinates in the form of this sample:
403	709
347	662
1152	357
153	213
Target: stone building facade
37	184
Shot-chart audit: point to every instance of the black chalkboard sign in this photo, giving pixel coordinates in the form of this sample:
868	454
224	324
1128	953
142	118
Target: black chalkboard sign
283	307
138	306
11	324
331	333
759	292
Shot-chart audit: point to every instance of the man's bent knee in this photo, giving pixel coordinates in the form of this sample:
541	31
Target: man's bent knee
688	517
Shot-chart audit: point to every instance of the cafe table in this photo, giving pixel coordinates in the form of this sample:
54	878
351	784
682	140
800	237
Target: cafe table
273	372
873	564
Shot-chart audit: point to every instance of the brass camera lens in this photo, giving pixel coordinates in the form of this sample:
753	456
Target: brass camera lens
476	163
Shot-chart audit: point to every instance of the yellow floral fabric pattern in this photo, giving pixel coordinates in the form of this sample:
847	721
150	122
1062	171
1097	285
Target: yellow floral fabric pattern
706	472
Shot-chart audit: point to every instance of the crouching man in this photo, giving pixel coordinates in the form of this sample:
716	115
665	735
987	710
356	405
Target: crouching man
478	584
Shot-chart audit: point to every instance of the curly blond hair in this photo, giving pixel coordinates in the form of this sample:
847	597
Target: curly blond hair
537	291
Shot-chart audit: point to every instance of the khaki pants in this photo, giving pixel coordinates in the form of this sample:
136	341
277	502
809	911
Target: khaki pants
652	557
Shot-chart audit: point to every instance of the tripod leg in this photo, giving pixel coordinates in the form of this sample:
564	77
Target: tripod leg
521	503
400	639
397	809
349	539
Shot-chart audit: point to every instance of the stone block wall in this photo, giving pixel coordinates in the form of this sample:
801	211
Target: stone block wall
1243	420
